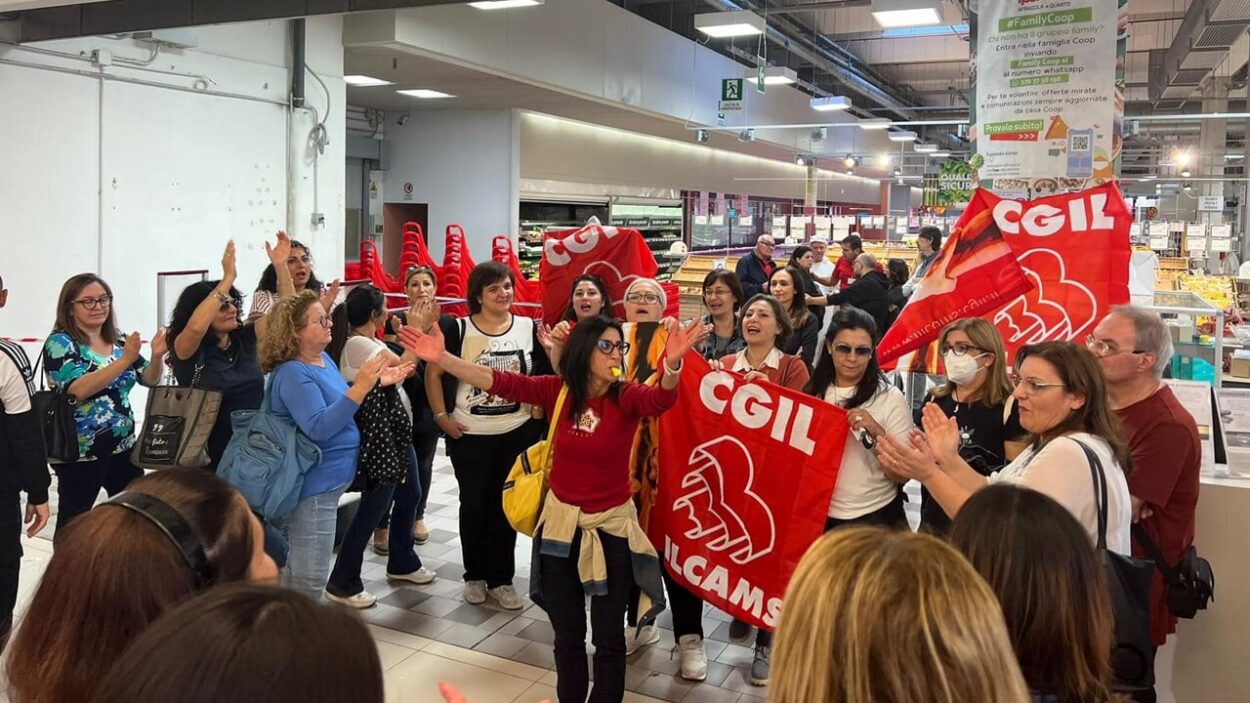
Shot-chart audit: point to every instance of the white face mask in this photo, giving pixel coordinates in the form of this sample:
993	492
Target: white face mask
961	370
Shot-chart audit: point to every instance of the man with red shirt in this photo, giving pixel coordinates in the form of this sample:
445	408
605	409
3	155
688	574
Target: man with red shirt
1134	347
844	270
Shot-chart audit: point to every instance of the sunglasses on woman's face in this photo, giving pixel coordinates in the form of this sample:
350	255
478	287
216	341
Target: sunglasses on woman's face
607	347
846	350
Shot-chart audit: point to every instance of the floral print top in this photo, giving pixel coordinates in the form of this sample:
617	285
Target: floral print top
106	422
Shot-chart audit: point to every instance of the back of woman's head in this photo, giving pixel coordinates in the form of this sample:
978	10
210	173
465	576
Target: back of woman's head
876	616
899	273
113	572
249	644
360	305
281	340
1039	562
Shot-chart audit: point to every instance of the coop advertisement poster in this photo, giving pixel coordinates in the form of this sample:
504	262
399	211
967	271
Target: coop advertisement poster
1049	95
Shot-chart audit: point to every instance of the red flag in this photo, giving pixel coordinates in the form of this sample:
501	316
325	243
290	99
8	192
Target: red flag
745	487
1074	250
616	254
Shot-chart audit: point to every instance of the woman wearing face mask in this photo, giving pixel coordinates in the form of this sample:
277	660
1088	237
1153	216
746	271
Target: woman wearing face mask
977	393
590	298
722	295
786	285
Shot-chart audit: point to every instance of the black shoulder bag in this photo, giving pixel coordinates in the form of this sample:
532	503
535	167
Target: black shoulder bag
1190	583
55	411
1128	580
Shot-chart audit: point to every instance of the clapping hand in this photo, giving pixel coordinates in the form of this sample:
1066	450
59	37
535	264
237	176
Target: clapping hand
941	432
130	348
913	460
368	374
280	252
160	344
391	375
427	347
330	295
684	339
229	271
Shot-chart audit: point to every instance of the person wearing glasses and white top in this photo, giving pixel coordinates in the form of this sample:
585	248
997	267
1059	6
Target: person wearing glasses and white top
1063	404
86	357
848	375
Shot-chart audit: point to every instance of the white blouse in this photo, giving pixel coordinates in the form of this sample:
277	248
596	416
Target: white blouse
862	485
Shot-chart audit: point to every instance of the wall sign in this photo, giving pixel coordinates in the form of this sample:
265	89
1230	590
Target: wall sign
1210	203
731	95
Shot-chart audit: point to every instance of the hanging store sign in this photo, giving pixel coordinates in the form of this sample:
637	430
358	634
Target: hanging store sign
1049	97
1210	203
731	95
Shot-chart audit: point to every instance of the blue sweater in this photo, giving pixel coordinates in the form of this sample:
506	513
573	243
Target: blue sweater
315	399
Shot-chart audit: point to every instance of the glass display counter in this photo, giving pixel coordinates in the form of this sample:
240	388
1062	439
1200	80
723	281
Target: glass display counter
1197	329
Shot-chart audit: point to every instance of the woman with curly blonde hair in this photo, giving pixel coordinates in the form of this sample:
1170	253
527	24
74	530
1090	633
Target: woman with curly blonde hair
877	616
307	390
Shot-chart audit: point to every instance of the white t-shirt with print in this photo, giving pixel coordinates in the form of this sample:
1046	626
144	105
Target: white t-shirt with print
862	486
1061	471
356	352
510	351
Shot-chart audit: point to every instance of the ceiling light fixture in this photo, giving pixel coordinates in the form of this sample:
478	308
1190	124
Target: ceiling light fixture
883	159
425	94
832	103
940	154
1182	158
875	123
774	75
924	147
741	23
1185	173
902	135
364	81
907	13
504	4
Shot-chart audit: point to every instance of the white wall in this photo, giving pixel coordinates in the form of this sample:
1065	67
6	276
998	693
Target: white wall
464	165
127	180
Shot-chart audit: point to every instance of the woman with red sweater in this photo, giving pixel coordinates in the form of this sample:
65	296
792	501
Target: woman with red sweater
588	541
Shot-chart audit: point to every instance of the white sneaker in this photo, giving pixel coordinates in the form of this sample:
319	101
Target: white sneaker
360	601
636	640
420	577
693	658
507	597
475	592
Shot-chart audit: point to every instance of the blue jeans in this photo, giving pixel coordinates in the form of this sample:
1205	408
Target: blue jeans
309	535
374	502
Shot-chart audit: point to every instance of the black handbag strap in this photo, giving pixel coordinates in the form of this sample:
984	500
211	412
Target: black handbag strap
1152	550
1100	491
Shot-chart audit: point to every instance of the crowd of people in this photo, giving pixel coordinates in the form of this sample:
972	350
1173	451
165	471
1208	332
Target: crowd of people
174	588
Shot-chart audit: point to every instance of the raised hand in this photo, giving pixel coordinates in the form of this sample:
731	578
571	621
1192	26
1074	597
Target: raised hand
228	269
423	313
160	344
941	432
280	252
130	349
330	294
392	375
427	347
683	340
544	337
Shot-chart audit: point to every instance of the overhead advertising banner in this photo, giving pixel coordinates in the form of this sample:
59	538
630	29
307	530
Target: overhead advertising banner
1049	93
749	469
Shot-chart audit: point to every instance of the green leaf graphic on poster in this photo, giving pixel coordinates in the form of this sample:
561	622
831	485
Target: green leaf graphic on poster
952	185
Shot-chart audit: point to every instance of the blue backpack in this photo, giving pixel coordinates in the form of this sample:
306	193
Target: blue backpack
266	459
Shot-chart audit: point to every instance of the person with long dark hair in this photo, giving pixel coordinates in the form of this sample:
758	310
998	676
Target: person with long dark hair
212	348
897	275
588	540
786	285
387	463
248	644
487	431
299	265
88	359
722	296
1052	587
1064	407
802	259
589	299
119	567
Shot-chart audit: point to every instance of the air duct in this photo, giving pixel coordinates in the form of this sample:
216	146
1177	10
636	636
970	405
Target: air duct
1209	29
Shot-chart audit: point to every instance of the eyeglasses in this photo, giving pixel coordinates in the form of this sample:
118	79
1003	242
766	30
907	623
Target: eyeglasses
768	245
231	303
607	347
93	303
322	321
959	348
717	292
1031	386
644	298
1103	349
846	350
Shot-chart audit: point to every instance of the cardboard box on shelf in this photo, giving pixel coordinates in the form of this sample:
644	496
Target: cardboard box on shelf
1239	366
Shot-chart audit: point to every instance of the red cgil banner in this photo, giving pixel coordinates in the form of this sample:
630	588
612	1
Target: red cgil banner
745	487
1073	250
617	255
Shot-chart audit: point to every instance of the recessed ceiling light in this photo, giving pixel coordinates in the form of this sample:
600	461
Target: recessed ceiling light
741	23
875	123
924	147
940	154
902	135
831	103
774	75
364	81
907	13
504	4
425	94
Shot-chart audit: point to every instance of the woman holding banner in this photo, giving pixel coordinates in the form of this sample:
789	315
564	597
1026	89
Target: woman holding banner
588	540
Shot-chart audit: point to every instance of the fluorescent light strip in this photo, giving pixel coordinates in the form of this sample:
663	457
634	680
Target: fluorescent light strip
774	75
425	94
504	4
364	81
729	24
876	123
831	103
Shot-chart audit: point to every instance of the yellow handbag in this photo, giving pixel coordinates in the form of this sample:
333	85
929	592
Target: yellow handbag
526	487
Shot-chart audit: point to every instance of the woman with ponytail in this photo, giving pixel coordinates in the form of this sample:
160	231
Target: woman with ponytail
387	465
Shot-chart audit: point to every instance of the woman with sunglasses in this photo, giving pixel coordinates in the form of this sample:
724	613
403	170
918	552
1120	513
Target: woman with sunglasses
588	532
85	357
722	296
977	393
848	376
1064	408
786	285
307	390
213	349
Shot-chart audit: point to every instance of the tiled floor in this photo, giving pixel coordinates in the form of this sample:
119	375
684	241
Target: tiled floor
428	633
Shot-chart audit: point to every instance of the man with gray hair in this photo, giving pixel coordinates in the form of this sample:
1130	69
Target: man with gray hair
868	293
1134	347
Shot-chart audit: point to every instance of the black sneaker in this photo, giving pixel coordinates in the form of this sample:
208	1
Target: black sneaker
739	632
